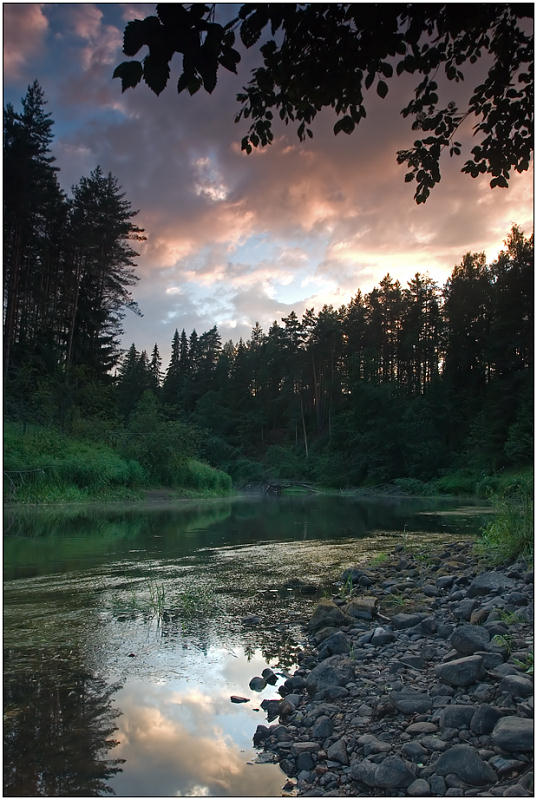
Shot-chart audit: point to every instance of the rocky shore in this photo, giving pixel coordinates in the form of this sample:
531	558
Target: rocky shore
416	680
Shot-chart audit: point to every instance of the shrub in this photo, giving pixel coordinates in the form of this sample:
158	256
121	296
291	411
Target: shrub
510	534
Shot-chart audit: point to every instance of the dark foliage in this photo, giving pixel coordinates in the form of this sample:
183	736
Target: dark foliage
319	55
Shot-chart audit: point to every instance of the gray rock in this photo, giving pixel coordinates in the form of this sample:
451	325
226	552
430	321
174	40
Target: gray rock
338	752
489	583
362	607
414	751
504	766
372	745
484	719
467	639
445	581
261	733
461	671
421	727
333	671
288	766
335	644
517	790
409	701
325	614
332	693
419	788
323	728
464	608
465	762
393	773
269	676
257	684
304	747
456	716
304	761
364	771
438	784
402	620
516	686
382	636
513	734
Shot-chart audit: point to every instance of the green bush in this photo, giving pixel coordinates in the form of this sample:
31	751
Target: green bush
460	482
193	474
510	534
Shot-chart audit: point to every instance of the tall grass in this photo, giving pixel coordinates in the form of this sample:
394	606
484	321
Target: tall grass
510	534
43	465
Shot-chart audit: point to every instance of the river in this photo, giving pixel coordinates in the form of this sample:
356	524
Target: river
124	635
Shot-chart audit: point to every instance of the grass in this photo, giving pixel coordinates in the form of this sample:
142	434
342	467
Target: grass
378	559
510	534
43	465
527	664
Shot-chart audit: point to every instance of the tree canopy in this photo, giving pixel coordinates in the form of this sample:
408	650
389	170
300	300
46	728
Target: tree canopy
319	55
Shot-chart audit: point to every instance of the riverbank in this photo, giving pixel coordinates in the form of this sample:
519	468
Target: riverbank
416	680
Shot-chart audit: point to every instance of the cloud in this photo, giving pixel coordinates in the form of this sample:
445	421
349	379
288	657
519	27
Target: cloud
25	29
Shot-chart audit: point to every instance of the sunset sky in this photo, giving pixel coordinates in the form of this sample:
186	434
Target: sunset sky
234	239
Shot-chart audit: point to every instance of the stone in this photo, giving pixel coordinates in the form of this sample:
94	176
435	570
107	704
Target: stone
456	716
419	788
402	620
333	671
272	707
467	639
304	761
322	728
362	607
421	727
304	747
364	771
414	751
517	790
269	676
338	752
489	583
261	733
382	636
445	581
236	699
371	744
335	644
393	773
516	686
410	701
484	719
257	684
438	784
463	609
461	671
465	762
504	766
326	613
513	734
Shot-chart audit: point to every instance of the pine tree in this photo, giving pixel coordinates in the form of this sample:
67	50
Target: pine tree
101	272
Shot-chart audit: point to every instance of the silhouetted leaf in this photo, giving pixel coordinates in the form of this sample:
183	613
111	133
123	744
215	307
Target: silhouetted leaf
134	37
382	89
346	124
156	73
130	73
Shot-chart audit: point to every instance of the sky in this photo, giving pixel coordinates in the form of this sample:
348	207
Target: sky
235	239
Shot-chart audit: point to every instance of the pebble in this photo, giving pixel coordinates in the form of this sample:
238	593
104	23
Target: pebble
424	704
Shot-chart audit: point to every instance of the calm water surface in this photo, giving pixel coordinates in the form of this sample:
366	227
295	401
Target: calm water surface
124	640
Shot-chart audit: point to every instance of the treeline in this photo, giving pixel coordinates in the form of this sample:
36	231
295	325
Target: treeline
406	383
401	382
68	261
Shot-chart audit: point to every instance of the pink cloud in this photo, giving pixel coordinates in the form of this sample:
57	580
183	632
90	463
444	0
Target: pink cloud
25	28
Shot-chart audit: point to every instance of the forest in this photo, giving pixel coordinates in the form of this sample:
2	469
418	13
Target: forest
420	386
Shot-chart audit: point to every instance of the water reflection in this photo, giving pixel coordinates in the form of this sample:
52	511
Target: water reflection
59	727
153	600
186	738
